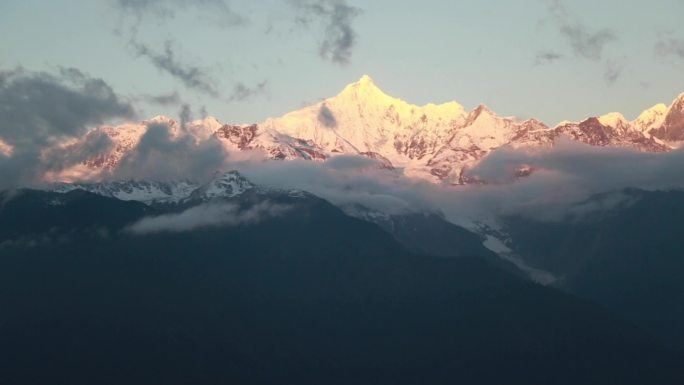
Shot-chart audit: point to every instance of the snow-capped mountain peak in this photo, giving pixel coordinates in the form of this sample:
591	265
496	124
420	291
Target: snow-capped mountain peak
483	114
366	93
363	92
161	119
224	185
613	119
203	129
651	118
679	99
362	119
364	87
671	128
435	142
678	105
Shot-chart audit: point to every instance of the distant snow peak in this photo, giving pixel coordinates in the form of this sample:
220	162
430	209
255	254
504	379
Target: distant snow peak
670	129
225	185
366	80
651	118
363	92
147	192
613	119
364	84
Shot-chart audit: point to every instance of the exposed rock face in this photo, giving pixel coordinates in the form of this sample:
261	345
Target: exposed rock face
241	136
672	128
593	131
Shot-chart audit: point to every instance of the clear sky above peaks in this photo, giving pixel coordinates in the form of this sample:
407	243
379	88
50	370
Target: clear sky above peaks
244	61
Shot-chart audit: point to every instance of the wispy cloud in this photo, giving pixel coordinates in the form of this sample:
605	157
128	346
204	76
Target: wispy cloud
170	99
337	18
326	117
209	215
613	72
242	92
166	57
167	9
670	46
185	115
192	77
544	57
583	41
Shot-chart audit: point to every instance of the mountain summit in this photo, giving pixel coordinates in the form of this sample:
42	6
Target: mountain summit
671	129
364	88
436	142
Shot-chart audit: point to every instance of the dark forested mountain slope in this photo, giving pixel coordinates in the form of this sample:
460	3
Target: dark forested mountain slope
630	258
310	296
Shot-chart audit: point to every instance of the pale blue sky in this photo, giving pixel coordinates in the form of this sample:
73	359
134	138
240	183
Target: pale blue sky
421	51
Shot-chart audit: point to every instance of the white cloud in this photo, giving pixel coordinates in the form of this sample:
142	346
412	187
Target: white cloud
208	216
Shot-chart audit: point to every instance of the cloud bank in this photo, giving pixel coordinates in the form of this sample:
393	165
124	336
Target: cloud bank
44	114
343	185
165	155
565	177
569	173
39	110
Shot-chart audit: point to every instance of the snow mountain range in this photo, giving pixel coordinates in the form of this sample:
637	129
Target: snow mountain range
223	185
226	185
438	143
